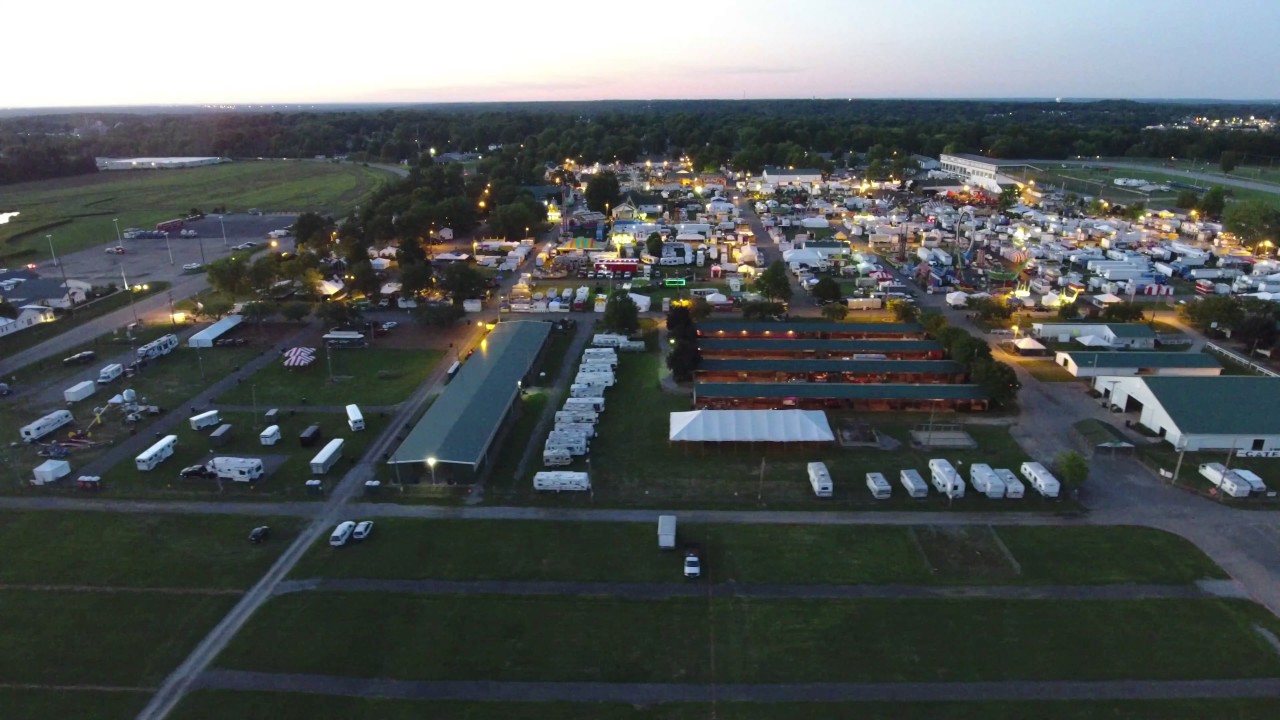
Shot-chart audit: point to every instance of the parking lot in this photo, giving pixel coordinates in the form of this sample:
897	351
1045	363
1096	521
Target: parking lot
148	260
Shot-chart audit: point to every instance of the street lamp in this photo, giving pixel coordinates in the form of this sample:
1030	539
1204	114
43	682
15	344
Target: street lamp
62	269
116	222
431	463
224	232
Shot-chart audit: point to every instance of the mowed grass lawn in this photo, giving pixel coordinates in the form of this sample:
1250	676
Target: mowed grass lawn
614	640
220	704
101	638
38	704
79	210
369	376
291	462
138	551
752	554
633	463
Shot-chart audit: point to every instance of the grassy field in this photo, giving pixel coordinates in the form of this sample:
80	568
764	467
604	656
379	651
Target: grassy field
216	705
168	383
1046	371
753	641
100	638
138	551
35	335
761	554
284	482
106	346
81	209
1086	181
371	376
632	462
41	704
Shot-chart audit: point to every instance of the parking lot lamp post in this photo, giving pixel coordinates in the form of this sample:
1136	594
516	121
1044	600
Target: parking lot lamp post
200	240
116	222
63	270
168	247
431	463
224	231
129	290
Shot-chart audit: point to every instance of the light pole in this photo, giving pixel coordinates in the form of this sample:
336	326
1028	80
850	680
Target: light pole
431	463
129	290
116	222
62	269
224	233
168	247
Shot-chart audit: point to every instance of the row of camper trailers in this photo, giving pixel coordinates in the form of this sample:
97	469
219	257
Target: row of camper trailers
946	480
1235	482
575	423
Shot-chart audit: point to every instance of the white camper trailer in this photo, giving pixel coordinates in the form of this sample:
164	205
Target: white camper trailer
561	480
355	419
913	483
556	457
586	430
820	480
593	378
270	436
585	390
45	425
577	416
945	478
1013	487
204	420
237	469
79	391
666	532
1255	482
589	404
985	481
1041	479
327	457
110	373
879	486
159	452
607	340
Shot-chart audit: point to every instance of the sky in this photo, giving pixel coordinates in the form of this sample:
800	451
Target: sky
139	52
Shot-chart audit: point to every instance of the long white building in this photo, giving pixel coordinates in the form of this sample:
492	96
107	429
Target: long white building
983	172
1203	413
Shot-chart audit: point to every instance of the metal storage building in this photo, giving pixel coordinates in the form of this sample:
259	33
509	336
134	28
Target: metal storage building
816	348
1203	413
205	337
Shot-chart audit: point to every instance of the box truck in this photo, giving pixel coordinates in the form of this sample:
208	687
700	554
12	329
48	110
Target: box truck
355	419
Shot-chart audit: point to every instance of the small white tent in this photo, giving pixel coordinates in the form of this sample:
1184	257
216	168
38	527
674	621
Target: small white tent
750	426
50	470
957	299
643	302
1093	341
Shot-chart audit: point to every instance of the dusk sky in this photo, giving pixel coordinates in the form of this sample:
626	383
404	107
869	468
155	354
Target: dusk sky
131	52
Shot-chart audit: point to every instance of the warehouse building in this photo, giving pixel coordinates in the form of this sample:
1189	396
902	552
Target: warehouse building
830	371
838	396
455	440
810	330
1202	413
1093	364
808	348
1128	336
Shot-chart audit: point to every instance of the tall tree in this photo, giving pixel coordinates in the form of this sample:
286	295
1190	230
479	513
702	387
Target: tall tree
602	191
826	290
773	282
835	312
1072	467
462	282
415	278
1253	221
683	360
903	311
653	245
997	380
621	314
1213	202
295	311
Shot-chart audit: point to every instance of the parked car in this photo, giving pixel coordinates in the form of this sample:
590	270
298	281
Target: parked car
116	250
342	533
390	325
81	358
191	266
259	534
692	562
363	529
195	471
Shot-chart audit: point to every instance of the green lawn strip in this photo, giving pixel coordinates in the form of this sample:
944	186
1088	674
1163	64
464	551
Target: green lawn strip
1047	371
33	336
518	438
370	376
561	639
106	346
1105	554
98	638
37	704
143	198
166	551
633	463
553	359
219	704
1098	432
126	480
622	552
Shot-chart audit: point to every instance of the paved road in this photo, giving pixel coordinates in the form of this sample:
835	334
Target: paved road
666	591
649	693
1210	178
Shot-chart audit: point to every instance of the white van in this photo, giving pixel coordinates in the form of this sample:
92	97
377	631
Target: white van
157	453
45	425
820	480
355	420
342	533
110	373
204	420
879	486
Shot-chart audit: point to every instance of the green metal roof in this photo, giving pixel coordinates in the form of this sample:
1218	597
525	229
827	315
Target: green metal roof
840	391
709	327
849	366
1143	360
1221	405
1131	330
461	423
799	344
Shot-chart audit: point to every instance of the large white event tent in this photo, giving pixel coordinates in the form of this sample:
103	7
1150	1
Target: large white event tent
750	426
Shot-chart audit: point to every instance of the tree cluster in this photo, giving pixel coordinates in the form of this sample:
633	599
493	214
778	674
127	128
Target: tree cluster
682	331
997	380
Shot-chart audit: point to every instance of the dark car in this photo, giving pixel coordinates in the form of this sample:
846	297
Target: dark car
259	534
195	471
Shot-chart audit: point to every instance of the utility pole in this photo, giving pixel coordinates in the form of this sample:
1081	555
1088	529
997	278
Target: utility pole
1182	450
760	488
63	270
224	235
129	290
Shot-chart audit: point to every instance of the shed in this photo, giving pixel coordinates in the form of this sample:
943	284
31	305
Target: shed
206	337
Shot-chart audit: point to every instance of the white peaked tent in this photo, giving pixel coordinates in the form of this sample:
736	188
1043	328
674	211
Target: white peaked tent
957	299
1028	345
750	426
1092	341
643	302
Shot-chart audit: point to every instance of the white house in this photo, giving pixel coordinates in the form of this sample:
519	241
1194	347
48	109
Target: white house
1092	364
779	177
1203	413
28	315
1131	336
